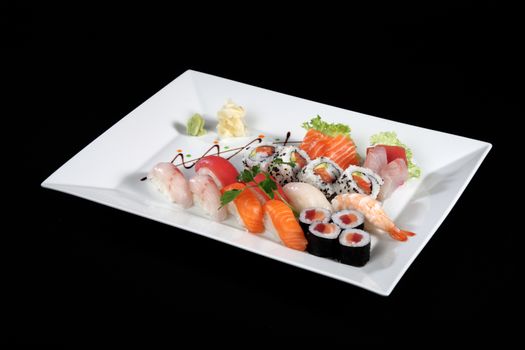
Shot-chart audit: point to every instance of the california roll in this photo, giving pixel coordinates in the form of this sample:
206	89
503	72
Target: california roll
261	155
323	174
288	162
359	180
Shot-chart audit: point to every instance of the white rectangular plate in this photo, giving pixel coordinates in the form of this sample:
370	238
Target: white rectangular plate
108	170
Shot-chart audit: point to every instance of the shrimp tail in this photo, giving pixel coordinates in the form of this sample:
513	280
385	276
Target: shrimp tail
400	235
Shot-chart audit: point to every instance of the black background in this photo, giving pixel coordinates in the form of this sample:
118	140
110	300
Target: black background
78	272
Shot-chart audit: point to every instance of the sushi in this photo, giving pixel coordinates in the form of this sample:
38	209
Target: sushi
394	174
323	174
315	143
219	169
280	221
282	171
342	150
354	247
261	155
322	239
373	213
246	208
308	216
170	181
359	179
331	140
207	196
376	158
261	195
348	218
302	195
391	163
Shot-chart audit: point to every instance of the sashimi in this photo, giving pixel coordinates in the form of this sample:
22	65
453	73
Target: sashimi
315	143
376	158
392	152
389	138
342	151
330	140
394	174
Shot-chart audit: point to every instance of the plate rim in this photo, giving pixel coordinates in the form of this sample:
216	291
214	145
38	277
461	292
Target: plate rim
51	183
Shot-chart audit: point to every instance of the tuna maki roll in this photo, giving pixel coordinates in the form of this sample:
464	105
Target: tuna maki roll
349	218
322	239
354	247
308	216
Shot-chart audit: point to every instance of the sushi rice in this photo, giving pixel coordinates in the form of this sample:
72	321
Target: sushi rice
285	173
261	154
347	182
354	247
322	173
348	218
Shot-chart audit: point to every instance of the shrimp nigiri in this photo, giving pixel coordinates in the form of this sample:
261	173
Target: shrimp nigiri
170	181
373	212
207	196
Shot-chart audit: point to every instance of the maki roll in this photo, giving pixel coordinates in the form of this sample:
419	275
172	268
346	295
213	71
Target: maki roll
322	239
308	216
354	247
349	218
360	180
261	155
282	170
321	173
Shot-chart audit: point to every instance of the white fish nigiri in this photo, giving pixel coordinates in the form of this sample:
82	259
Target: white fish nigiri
303	195
170	181
206	195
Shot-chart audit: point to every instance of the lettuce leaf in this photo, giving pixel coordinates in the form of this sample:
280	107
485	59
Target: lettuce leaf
330	129
389	138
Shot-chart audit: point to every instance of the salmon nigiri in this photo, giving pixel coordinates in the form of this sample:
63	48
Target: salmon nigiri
246	208
279	219
260	194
